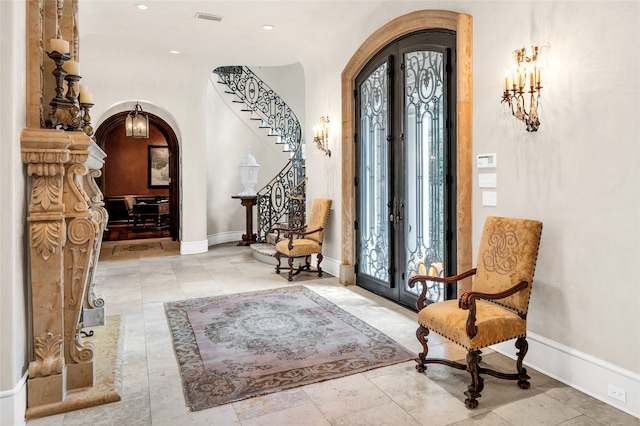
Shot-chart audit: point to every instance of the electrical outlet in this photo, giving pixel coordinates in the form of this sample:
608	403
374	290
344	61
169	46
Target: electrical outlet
617	393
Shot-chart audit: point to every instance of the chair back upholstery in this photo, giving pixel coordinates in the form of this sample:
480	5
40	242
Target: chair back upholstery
129	202
507	255
318	219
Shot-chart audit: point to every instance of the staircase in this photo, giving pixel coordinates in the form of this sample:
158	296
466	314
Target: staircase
281	202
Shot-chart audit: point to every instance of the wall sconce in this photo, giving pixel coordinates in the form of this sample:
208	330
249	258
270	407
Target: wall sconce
321	135
515	83
137	123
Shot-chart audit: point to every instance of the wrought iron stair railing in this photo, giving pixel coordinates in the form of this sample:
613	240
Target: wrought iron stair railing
283	198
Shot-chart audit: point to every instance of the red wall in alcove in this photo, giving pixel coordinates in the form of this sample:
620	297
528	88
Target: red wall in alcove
126	166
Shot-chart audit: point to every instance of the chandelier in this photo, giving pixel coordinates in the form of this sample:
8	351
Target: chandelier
137	123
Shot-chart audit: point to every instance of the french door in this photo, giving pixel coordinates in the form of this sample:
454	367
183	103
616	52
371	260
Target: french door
405	167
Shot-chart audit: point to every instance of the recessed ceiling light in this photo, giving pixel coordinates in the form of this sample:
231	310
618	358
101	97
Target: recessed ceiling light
142	6
267	26
175	52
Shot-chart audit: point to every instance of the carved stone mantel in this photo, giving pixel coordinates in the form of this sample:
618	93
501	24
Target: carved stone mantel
64	234
94	306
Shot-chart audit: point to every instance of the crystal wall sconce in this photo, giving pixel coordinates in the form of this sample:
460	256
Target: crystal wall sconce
321	135
526	74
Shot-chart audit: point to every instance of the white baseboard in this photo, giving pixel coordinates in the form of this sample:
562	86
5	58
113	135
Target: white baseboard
224	237
331	266
579	370
193	247
13	403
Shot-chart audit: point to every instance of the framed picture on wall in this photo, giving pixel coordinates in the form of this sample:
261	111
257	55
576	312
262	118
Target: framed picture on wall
158	166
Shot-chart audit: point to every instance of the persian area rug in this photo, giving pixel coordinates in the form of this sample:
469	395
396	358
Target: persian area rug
243	345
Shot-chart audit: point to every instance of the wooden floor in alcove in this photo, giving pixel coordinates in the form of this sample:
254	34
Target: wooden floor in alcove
121	231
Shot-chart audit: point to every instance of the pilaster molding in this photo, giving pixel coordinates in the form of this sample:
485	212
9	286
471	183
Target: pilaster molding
46	152
82	232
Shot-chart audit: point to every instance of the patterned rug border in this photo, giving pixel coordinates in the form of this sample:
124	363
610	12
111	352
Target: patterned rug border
177	319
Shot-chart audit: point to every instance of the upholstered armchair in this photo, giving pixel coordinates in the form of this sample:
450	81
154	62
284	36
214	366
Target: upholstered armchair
494	311
305	241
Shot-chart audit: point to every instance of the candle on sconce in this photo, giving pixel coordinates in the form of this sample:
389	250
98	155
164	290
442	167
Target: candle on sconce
72	67
538	77
59	45
531	79
507	80
86	98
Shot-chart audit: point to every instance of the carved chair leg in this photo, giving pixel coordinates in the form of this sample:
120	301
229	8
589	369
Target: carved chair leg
290	262
523	377
319	256
278	265
421	334
477	382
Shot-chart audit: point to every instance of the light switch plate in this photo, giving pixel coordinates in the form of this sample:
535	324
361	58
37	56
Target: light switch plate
487	180
489	198
485	161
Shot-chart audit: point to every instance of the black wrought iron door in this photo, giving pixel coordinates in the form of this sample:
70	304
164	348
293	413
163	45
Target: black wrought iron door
405	176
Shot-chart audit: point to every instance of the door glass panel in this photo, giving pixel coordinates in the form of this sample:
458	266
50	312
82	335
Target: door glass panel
424	162
373	226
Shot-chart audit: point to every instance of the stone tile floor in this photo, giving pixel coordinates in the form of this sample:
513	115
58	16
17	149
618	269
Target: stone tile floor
136	285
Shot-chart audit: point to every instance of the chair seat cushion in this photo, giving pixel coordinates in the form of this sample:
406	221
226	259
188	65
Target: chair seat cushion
301	247
495	323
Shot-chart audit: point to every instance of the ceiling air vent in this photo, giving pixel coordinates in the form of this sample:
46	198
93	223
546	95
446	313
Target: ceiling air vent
208	17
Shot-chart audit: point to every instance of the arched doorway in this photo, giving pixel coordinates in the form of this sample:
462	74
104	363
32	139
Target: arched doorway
401	26
117	121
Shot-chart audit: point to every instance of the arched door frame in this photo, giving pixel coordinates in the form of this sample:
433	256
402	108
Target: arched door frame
399	27
118	119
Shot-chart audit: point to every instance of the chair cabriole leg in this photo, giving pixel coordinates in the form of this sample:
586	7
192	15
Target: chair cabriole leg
477	382
523	377
421	334
290	262
319	256
278	265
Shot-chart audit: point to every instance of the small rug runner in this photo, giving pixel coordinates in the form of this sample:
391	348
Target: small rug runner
127	248
243	345
108	359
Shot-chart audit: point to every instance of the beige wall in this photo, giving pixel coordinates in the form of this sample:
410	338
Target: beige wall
579	173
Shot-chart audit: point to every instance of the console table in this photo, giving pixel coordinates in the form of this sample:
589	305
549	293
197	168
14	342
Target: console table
248	201
157	213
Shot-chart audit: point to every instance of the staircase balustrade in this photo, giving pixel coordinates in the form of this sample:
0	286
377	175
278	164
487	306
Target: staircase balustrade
283	198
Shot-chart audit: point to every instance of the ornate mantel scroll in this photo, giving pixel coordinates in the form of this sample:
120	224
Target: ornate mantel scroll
66	219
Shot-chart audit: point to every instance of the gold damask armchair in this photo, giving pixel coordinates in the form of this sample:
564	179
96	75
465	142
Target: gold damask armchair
494	311
305	241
